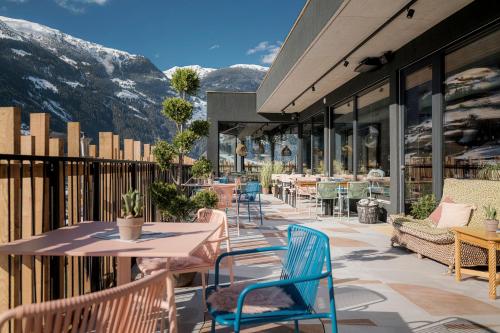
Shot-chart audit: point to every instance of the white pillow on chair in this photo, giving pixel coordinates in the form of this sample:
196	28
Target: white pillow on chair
454	215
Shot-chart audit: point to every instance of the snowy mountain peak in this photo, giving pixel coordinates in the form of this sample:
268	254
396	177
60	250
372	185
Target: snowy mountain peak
202	71
251	66
53	39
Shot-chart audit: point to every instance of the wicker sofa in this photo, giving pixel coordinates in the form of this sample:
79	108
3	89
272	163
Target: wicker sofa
422	236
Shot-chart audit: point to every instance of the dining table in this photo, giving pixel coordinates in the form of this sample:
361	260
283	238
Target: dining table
86	239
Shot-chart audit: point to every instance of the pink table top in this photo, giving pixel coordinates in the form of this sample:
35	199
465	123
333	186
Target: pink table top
77	240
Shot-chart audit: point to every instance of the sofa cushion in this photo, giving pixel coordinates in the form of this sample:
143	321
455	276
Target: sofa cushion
436	214
454	215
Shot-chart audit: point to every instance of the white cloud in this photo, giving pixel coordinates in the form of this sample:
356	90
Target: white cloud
78	6
213	47
18	1
268	51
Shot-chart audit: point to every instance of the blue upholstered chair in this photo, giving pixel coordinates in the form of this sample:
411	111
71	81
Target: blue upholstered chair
306	262
250	193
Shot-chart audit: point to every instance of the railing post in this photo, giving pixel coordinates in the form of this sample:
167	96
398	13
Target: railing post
54	184
133	176
96	207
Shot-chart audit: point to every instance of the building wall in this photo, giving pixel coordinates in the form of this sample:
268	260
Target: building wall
312	20
230	107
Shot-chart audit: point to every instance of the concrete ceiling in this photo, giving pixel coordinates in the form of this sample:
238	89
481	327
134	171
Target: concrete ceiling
353	22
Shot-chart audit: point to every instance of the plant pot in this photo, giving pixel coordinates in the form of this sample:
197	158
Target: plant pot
491	225
130	228
184	279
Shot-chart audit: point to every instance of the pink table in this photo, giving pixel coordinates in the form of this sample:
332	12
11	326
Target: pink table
77	240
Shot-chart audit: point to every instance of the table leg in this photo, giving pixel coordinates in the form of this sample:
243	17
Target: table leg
124	274
492	270
458	259
172	309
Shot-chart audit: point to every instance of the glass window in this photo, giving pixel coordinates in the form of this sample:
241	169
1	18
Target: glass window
306	148
317	157
343	133
227	153
418	134
374	140
472	107
285	147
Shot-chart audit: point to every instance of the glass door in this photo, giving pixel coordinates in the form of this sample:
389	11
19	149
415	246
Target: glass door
417	128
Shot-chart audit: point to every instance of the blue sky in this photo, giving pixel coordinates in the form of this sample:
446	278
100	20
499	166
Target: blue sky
210	33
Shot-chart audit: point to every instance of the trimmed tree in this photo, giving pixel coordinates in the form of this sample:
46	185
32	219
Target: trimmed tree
172	199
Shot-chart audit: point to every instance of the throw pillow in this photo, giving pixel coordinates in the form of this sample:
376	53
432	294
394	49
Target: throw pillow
454	215
436	214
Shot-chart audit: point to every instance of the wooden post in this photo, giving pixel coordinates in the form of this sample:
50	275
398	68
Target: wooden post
56	147
116	147
27	148
92	151
137	150
10	129
128	149
147	151
73	138
106	145
39	128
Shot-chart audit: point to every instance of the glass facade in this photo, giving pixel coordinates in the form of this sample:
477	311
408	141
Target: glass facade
227	153
472	107
418	134
306	147
317	144
343	139
285	147
374	140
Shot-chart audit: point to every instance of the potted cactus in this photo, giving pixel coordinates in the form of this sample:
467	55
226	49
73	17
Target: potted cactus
491	222
130	225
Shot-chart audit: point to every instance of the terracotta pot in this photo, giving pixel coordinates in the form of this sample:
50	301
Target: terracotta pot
130	228
491	225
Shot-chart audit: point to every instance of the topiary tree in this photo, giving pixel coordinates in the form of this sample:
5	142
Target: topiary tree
172	199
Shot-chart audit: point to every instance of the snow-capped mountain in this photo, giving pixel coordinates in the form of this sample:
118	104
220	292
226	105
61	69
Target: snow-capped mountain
46	70
202	71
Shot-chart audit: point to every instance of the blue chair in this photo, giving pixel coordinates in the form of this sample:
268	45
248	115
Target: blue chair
223	180
250	193
308	251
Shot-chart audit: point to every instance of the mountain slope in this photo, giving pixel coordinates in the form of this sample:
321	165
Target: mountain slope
46	70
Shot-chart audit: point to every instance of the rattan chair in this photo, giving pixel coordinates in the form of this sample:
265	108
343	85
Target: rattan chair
203	259
134	307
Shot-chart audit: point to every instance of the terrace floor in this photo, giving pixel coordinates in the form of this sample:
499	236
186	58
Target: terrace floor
377	288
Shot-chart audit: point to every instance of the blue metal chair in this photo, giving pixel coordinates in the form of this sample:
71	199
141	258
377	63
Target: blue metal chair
250	193
223	180
308	251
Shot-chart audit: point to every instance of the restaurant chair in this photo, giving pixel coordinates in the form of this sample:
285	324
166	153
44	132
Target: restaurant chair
356	191
306	262
225	199
251	193
133	307
203	259
326	191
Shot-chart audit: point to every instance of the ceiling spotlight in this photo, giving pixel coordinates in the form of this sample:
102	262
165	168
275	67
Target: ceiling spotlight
324	100
313	88
293	103
346	63
282	112
409	13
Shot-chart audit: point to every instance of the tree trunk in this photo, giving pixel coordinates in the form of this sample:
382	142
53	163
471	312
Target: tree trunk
179	173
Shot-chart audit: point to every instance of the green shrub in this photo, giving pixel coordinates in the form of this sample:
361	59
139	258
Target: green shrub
490	171
205	199
423	207
265	174
202	168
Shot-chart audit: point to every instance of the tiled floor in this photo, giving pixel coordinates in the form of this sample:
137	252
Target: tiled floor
377	288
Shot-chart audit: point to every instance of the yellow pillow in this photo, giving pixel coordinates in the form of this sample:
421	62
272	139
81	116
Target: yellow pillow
454	215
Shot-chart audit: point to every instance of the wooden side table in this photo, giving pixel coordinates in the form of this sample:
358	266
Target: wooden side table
486	240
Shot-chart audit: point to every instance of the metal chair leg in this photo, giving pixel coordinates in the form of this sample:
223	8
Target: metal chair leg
260	210
296	324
